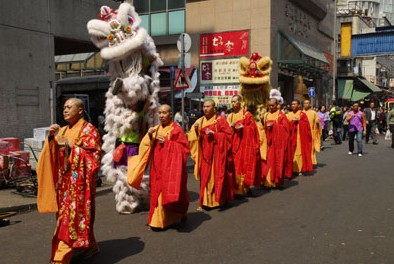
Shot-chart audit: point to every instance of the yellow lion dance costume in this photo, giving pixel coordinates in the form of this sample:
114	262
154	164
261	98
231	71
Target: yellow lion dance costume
255	83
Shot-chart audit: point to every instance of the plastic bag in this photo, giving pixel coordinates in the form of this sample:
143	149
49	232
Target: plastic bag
118	153
388	135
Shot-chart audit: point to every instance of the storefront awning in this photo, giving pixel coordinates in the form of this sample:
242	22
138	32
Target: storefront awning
79	61
295	53
355	89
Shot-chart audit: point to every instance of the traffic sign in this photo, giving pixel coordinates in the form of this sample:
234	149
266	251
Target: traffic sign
311	91
182	82
187	42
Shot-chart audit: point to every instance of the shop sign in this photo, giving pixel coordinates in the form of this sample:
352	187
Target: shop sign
224	44
219	71
221	94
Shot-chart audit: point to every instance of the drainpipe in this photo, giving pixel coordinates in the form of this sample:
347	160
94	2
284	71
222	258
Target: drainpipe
50	60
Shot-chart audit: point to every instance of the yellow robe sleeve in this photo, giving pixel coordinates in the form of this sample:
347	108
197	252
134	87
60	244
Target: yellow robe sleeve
263	141
193	139
317	133
46	195
136	164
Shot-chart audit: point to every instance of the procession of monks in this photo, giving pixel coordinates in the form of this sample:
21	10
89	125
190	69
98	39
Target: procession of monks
230	156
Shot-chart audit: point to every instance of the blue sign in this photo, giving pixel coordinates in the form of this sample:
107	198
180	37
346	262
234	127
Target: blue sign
377	43
172	72
311	91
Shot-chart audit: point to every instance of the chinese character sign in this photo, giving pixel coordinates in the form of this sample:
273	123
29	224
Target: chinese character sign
225	44
221	94
220	71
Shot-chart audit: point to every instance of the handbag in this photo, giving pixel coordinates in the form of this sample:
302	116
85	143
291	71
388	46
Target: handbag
118	153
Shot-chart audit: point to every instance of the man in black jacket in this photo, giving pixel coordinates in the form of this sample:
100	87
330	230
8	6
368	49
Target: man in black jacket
371	117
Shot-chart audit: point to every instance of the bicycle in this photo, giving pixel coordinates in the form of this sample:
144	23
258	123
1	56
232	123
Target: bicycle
17	173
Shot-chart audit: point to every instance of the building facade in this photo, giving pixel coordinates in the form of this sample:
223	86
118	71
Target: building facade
296	34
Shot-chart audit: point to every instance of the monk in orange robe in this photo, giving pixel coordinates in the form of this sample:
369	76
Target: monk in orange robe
275	146
245	147
300	139
166	147
316	129
67	177
210	144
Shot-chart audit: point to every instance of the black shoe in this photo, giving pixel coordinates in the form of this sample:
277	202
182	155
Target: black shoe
375	143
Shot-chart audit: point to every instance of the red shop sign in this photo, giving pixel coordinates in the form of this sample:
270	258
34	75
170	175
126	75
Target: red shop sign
225	44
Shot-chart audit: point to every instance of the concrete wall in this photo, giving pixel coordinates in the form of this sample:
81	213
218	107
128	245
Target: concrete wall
27	57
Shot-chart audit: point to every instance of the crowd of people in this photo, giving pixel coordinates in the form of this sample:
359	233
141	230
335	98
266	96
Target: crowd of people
232	153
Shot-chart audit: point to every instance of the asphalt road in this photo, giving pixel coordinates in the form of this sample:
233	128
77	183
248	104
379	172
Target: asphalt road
344	213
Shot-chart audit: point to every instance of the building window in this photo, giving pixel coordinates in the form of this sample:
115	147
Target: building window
162	17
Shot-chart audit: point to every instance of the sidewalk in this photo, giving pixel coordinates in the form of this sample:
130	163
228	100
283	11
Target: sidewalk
13	201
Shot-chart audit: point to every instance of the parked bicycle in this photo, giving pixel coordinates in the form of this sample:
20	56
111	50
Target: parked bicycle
16	172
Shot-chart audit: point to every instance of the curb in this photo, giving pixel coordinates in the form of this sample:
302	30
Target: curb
26	208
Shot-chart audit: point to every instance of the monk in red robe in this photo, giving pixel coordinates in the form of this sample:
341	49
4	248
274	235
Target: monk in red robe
300	139
67	177
275	146
166	147
245	147
210	144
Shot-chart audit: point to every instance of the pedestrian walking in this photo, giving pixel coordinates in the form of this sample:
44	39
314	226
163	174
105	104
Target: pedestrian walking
357	128
337	122
390	125
371	117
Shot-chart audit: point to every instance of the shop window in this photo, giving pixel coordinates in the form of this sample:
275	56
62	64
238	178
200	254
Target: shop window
176	22
159	24
162	17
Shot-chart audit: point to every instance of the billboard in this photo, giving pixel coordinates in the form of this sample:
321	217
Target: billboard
219	71
224	44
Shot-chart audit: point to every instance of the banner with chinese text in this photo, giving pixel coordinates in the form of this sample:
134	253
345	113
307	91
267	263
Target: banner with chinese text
221	94
224	44
219	71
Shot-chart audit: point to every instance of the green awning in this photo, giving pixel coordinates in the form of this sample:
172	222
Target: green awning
355	89
345	88
371	86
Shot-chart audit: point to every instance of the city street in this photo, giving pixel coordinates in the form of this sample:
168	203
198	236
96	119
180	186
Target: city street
344	213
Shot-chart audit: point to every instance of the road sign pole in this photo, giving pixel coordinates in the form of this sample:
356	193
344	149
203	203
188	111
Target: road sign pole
172	73
183	71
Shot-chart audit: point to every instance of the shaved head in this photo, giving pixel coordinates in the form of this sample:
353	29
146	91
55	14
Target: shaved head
210	101
76	101
166	108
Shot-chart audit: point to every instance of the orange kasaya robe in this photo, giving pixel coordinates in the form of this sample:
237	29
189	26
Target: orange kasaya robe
169	198
67	181
316	131
245	148
301	141
275	149
213	160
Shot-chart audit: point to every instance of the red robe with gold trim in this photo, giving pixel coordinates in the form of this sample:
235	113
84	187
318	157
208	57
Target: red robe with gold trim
75	178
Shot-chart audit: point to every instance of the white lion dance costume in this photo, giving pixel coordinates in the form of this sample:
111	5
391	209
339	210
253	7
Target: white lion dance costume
132	99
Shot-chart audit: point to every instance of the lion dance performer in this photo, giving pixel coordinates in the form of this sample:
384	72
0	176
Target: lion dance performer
255	83
132	99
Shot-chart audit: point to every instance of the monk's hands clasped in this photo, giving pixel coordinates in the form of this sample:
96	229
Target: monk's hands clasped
53	129
160	139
